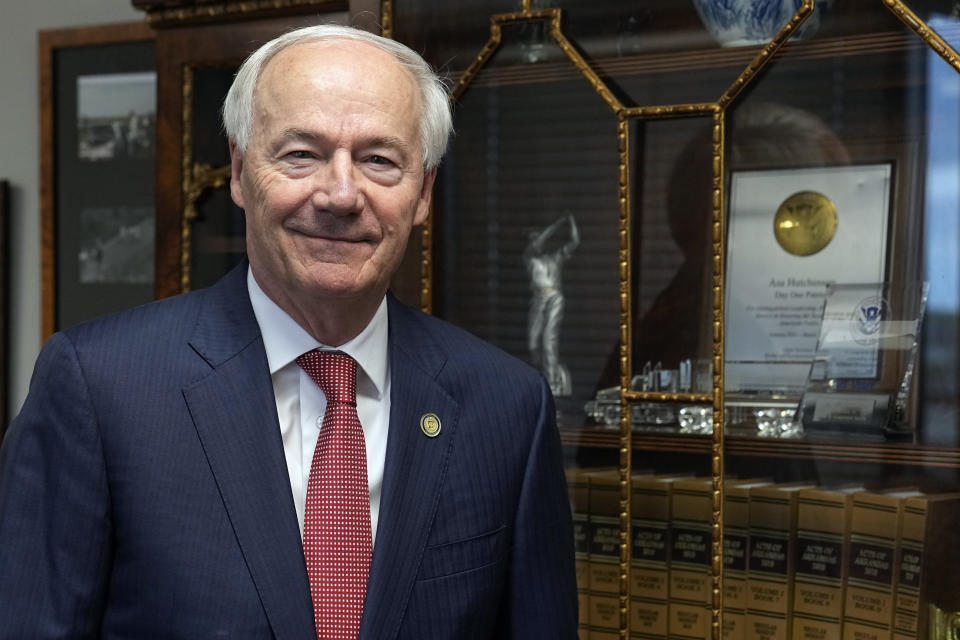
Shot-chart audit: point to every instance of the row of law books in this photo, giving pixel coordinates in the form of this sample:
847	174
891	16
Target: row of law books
800	562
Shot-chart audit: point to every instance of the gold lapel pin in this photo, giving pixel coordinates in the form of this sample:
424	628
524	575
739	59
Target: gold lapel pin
430	425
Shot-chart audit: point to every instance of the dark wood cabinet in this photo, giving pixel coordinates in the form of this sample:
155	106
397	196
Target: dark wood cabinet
199	45
632	120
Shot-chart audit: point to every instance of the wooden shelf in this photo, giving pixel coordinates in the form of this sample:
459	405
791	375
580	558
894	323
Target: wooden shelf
894	453
698	60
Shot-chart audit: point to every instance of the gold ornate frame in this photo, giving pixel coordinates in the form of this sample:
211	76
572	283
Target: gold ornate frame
231	9
196	179
717	110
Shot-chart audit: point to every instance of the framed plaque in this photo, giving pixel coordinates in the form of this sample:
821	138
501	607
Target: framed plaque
791	234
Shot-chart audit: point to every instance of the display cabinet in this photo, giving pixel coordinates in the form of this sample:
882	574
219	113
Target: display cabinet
728	233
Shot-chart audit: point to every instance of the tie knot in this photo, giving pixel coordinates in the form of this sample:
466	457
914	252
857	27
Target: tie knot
334	372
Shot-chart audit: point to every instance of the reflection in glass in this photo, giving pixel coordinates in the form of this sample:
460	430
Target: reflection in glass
774	422
696	419
746	22
939	374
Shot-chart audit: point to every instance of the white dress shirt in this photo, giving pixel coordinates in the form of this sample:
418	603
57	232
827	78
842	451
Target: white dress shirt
301	403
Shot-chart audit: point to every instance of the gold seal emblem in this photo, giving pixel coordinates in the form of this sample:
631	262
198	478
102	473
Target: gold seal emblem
805	223
430	425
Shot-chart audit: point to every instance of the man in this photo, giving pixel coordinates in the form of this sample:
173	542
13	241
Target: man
162	478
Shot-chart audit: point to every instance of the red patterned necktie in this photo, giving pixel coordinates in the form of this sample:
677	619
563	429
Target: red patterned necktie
337	542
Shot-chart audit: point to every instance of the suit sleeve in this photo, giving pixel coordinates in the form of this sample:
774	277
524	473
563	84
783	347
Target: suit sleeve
541	598
54	507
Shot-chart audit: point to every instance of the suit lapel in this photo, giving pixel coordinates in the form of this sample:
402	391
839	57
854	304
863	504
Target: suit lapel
235	416
413	474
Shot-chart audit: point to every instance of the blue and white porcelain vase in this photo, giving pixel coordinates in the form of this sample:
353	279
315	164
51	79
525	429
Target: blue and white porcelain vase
735	23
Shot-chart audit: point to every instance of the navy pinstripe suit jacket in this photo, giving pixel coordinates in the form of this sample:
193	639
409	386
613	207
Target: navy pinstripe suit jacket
144	492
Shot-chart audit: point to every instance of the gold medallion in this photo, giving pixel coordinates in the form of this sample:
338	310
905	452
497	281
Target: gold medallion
430	425
805	223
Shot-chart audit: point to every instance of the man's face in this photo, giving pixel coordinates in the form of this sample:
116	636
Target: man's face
332	179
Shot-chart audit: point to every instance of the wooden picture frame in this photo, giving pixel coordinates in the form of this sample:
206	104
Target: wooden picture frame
97	141
4	302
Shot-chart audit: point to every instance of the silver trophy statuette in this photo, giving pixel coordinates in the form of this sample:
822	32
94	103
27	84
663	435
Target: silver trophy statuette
544	261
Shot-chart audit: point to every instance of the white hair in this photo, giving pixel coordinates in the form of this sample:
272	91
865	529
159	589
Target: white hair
435	123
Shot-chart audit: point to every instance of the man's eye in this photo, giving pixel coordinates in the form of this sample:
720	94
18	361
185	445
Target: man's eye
300	155
375	159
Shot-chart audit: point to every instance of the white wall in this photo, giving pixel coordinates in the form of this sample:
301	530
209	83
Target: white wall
19	159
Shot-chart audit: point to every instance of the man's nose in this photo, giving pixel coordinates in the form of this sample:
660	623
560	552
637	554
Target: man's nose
339	192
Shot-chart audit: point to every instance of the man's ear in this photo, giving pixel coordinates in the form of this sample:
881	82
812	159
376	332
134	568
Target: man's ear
236	170
426	193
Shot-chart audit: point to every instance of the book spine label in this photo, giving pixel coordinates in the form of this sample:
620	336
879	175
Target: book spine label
578	484
906	617
581	541
818	588
868	607
734	582
819	557
604	575
768	593
649	579
690	580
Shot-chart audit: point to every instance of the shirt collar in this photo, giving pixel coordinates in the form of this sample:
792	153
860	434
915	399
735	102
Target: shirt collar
284	340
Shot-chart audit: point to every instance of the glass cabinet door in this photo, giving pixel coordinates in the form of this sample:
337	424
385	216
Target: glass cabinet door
728	234
841	168
523	244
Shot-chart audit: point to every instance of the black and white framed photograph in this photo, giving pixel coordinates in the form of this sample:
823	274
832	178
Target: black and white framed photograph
98	138
116	245
116	115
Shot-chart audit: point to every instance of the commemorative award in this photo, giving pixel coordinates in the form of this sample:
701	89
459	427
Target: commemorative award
859	383
791	234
